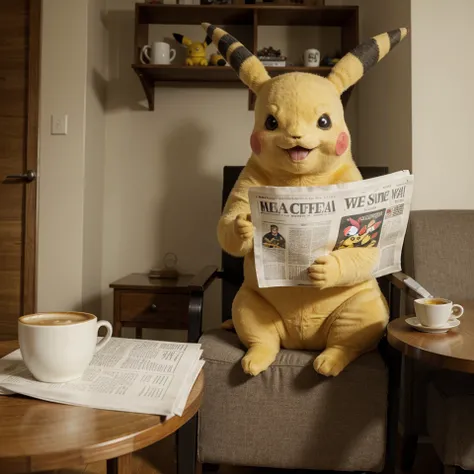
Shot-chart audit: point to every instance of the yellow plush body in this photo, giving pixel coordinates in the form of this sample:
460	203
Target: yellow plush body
300	138
195	50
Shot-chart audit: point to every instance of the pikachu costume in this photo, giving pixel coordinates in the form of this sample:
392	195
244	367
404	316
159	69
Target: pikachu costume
300	138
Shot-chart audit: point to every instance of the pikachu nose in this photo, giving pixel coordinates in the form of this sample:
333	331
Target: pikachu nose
296	137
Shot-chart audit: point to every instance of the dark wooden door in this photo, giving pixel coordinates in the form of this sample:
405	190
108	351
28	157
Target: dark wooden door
19	87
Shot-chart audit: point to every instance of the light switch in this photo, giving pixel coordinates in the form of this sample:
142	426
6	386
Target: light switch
58	124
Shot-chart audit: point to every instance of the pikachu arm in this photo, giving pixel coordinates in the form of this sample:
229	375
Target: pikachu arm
237	203
345	267
356	265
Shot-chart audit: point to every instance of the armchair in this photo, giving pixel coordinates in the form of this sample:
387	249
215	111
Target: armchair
289	416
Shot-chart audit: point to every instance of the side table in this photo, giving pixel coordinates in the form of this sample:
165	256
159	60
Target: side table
143	302
451	351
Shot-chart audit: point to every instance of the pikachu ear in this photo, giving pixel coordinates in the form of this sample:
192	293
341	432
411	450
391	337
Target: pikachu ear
182	39
249	69
356	63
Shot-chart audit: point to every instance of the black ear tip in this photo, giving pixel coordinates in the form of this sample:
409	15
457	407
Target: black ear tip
178	37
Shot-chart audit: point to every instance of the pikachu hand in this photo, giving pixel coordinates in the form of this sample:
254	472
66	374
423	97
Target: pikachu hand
243	227
324	272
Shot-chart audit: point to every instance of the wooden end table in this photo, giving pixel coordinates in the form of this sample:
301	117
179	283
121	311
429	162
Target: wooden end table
39	436
453	350
142	302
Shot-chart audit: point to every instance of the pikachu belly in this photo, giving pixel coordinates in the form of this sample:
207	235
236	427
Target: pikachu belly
304	311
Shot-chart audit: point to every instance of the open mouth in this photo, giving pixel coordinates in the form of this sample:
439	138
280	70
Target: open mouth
298	153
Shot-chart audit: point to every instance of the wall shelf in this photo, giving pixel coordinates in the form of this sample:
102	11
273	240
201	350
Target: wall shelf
346	18
272	14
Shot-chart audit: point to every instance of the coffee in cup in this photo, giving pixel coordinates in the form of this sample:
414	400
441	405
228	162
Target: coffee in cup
58	347
55	319
436	312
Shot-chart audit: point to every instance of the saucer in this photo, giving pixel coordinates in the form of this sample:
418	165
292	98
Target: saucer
414	323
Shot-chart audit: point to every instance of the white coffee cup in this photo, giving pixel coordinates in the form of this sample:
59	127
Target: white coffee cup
58	347
312	57
161	53
436	312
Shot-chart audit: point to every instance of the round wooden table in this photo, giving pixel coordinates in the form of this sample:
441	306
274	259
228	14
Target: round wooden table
39	436
453	350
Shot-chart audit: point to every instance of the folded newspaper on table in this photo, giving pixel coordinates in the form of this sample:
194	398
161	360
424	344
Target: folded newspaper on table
295	225
132	375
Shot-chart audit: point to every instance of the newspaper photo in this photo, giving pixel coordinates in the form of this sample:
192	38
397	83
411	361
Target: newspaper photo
293	226
132	375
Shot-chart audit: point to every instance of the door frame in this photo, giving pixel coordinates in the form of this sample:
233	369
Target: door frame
28	270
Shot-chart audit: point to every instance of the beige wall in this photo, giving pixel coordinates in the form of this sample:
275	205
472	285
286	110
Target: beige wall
61	160
163	169
442	103
127	185
163	172
385	132
71	166
94	159
384	94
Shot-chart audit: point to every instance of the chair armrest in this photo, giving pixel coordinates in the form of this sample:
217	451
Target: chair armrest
398	279
197	286
201	281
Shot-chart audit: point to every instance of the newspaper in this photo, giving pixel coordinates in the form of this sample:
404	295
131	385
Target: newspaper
293	226
131	375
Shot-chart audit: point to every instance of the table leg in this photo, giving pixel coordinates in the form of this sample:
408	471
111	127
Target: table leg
393	412
117	332
409	441
138	333
120	465
187	447
117	329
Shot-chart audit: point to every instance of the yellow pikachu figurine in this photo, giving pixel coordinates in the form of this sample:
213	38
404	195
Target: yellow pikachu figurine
196	51
300	138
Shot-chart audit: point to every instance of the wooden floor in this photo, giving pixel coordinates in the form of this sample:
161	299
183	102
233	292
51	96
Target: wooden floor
160	459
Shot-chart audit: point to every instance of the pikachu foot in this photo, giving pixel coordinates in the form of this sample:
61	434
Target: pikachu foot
228	324
333	360
258	359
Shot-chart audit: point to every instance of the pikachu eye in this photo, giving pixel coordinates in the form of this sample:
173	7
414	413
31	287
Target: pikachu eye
271	123
324	122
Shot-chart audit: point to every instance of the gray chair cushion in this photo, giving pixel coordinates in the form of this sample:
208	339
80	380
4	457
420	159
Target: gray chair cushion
450	418
289	416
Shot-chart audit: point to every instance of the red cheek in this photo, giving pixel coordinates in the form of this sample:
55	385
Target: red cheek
256	143
342	144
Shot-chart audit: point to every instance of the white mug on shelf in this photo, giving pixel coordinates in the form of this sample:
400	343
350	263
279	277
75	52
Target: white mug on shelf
312	58
161	53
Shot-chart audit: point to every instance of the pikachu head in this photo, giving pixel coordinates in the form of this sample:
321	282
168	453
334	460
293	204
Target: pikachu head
299	123
195	49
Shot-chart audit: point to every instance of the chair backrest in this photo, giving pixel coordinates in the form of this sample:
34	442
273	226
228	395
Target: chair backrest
439	251
232	267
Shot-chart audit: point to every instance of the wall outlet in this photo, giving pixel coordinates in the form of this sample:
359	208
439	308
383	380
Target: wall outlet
58	124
